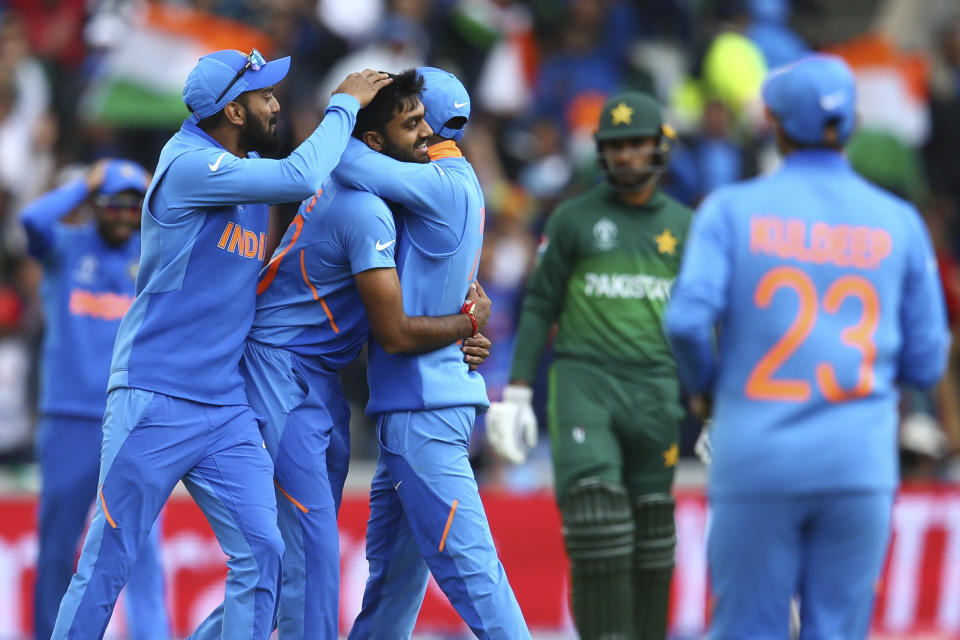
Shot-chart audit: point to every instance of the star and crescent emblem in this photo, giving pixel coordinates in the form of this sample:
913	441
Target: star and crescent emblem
666	242
622	114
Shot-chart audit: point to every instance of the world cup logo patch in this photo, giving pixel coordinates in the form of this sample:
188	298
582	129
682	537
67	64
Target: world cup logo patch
605	233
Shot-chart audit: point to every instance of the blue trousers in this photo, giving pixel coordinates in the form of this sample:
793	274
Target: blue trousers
151	441
426	515
69	456
828	549
307	432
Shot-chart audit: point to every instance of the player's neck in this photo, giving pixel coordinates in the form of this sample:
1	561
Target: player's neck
229	139
640	197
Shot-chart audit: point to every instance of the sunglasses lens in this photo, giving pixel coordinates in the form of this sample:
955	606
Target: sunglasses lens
118	204
256	60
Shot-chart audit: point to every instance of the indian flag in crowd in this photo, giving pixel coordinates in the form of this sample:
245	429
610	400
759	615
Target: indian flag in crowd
141	81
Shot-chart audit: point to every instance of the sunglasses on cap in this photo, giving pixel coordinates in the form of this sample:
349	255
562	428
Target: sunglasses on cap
255	60
116	203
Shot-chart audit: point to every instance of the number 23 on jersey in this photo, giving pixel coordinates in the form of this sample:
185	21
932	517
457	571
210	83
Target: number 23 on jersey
762	385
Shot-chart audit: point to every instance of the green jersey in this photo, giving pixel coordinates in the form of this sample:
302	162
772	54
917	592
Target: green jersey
604	276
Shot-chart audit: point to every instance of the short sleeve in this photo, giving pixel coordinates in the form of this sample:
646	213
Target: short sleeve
370	238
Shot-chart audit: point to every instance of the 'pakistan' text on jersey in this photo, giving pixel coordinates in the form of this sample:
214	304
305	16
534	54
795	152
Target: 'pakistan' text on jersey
439	238
826	294
307	299
87	287
201	253
604	275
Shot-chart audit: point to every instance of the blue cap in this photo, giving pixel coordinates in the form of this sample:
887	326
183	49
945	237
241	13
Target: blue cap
807	95
124	175
214	72
444	97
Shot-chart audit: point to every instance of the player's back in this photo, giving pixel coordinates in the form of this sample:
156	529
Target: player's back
307	300
812	335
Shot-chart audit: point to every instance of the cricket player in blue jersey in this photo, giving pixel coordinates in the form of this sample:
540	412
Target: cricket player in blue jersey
825	294
176	407
425	508
89	273
333	279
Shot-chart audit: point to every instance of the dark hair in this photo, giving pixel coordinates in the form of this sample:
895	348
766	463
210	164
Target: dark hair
400	95
210	123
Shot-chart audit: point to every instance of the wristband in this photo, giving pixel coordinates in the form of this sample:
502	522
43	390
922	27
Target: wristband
467	310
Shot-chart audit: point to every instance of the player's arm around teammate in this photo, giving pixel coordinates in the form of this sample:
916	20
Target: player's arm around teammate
333	277
176	407
426	403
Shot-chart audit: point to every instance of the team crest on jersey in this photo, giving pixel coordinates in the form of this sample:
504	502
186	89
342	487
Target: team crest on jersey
86	270
132	268
579	435
605	233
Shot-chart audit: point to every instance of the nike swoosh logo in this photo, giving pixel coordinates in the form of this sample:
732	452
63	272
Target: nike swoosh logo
381	247
397	488
460	105
216	165
834	100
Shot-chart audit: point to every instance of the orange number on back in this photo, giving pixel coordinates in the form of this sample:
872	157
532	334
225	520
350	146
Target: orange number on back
760	384
859	336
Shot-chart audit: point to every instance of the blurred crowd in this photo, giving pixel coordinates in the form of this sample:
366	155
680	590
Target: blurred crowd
85	79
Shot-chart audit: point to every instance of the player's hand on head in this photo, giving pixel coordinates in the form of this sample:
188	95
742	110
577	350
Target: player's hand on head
364	85
483	304
512	424
96	174
476	350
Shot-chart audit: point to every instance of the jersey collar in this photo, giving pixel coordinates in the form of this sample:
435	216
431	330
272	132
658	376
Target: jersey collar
824	158
445	149
191	127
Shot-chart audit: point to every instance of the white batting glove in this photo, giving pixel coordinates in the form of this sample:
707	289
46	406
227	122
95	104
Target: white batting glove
703	447
512	425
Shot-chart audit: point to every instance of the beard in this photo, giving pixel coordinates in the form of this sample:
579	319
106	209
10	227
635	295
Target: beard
255	135
403	154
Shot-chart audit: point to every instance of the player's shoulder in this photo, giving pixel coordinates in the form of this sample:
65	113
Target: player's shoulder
350	207
196	160
348	200
579	205
676	208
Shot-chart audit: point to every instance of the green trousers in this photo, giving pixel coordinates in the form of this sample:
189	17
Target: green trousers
615	424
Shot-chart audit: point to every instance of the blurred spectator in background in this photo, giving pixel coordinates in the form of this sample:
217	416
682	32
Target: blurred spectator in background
15	366
93	78
90	271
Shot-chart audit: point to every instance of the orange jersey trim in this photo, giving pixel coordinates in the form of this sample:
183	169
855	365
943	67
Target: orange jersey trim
446	529
291	498
445	149
114	524
274	265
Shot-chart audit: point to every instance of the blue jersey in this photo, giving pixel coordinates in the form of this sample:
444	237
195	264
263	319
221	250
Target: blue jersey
203	232
825	294
439	237
87	287
307	300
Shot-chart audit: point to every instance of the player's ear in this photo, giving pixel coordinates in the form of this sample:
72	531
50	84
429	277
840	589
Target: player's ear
235	113
373	140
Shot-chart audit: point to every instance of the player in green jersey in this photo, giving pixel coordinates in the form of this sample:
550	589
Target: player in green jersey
608	260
